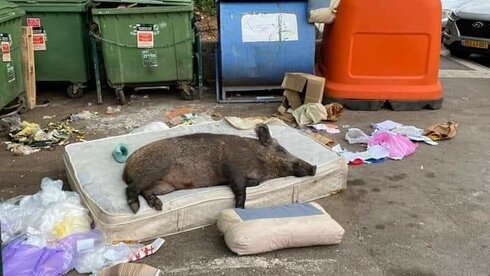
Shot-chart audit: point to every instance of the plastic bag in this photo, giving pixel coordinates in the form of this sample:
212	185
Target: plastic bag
150	127
28	260
356	136
51	212
103	256
398	145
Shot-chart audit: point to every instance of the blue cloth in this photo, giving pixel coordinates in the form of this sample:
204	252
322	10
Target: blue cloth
283	211
120	153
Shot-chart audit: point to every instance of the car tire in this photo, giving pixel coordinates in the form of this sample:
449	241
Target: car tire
458	53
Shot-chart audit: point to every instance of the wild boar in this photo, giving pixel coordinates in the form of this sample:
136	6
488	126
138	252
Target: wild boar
204	160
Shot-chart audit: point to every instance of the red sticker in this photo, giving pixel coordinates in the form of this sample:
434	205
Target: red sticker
39	42
145	39
6	57
34	22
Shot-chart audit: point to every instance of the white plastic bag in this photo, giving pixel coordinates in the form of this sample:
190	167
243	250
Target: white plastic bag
50	213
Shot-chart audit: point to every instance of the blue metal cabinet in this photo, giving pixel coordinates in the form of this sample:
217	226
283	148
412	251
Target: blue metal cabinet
259	42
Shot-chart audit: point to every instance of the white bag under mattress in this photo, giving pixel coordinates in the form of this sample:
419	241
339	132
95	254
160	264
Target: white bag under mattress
96	176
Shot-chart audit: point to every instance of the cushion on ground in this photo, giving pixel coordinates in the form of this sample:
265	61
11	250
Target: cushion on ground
259	230
96	176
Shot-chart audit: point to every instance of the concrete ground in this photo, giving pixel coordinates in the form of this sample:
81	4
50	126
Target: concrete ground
428	214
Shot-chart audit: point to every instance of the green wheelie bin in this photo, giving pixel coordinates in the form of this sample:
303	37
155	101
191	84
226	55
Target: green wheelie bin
147	45
11	75
60	36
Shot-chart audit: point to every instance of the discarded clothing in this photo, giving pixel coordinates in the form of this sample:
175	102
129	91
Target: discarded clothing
414	134
356	136
398	145
310	113
334	111
372	153
386	125
441	131
120	153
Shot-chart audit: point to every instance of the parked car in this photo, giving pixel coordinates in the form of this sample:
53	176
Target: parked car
448	6
468	29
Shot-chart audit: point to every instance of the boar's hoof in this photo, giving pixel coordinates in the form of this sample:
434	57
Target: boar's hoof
153	201
134	205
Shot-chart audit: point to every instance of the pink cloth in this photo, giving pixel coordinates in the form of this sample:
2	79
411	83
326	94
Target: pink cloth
398	145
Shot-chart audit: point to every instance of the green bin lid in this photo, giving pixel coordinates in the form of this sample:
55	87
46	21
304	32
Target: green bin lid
147	2
9	10
23	2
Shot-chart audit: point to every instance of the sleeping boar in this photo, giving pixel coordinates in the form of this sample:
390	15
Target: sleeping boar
203	160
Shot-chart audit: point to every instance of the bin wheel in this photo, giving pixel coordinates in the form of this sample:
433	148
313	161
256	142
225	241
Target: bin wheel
120	95
75	91
23	103
187	92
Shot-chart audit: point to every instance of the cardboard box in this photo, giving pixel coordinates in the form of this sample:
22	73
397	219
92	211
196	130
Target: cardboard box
294	100
309	84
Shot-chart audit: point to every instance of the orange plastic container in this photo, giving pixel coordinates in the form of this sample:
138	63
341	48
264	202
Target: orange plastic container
383	51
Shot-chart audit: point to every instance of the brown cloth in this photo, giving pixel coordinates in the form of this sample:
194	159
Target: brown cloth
130	269
441	131
334	111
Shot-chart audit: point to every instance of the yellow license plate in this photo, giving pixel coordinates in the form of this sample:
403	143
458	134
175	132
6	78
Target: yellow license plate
475	44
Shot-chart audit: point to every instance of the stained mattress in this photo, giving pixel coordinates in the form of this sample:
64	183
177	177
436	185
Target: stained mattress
96	176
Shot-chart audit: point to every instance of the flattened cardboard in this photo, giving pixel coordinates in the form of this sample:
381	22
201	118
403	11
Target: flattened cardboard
131	269
293	98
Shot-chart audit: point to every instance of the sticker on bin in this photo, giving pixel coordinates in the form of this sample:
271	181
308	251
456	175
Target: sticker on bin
269	27
145	35
10	72
145	39
5	46
39	39
33	22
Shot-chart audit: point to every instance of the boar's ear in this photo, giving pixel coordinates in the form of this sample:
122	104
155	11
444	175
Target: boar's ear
264	135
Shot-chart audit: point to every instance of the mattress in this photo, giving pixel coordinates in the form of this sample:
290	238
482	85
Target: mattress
96	176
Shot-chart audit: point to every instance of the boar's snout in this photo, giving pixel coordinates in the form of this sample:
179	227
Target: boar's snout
302	168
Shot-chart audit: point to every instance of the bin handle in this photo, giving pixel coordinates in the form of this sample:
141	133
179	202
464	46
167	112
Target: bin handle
136	46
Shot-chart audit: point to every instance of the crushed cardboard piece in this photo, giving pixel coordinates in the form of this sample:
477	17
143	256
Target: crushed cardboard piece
322	139
294	100
130	269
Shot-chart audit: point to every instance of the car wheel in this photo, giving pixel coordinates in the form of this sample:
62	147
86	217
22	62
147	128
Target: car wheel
459	53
